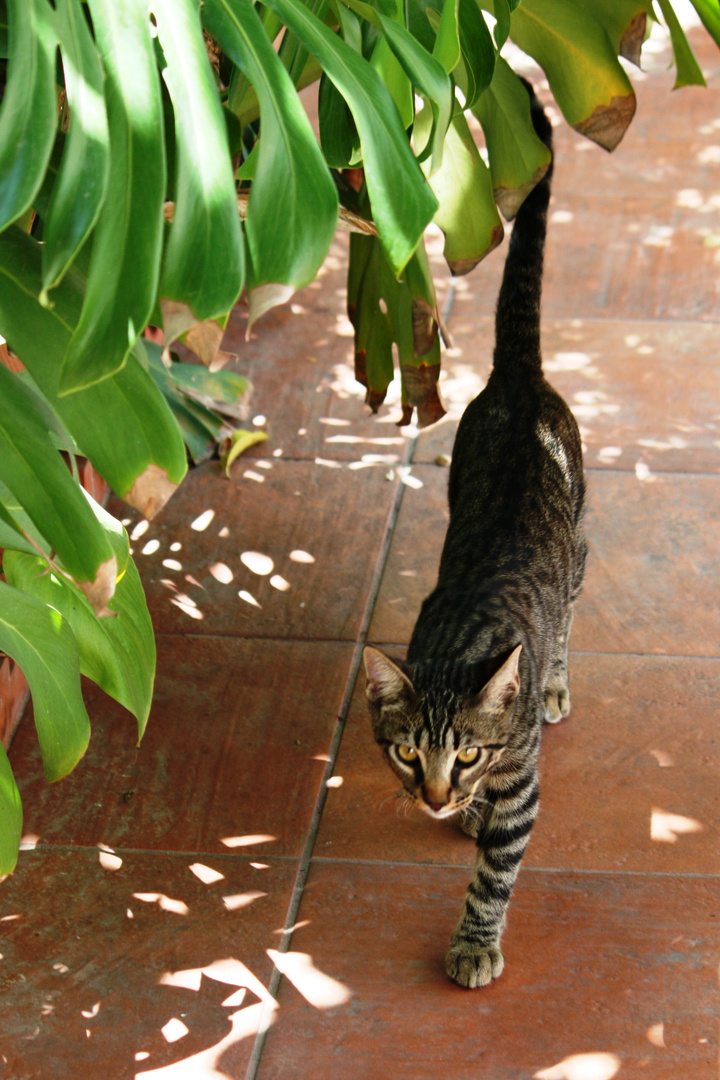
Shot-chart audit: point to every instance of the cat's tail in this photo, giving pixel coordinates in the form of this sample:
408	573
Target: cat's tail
517	320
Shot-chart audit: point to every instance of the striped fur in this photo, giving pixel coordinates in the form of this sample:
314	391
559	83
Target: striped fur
487	661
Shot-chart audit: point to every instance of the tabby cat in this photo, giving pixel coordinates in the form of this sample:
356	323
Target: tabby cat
460	721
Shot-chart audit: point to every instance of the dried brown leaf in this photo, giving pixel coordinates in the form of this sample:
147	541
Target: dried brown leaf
151	490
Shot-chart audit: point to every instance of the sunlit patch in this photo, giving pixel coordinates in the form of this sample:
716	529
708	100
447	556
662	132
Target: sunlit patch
659	236
646	350
664	760
259	420
201	523
656	1035
187	606
709	156
562	217
609	453
10	918
250	474
142	1055
172	564
29	842
279	582
151	547
248	598
176	546
174	1030
301	556
318	989
328	463
278	452
129	914
140	529
567	361
246	841
221	573
333	421
666	828
169	584
632	340
235	999
408	479
177	907
109	861
334	781
260	865
642	471
207	875
189	979
257	562
673	442
89	1013
241	900
407	573
598	1066
193	581
224	532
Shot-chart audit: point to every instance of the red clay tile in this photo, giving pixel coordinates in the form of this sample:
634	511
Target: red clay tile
595	964
651	584
97	963
643	392
624	780
235	748
299	540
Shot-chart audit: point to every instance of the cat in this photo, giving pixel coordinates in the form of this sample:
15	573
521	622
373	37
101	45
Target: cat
460	721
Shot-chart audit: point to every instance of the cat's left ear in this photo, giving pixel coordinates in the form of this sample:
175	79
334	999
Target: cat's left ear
385	680
502	689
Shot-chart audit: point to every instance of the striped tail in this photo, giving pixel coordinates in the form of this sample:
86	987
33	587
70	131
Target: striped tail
517	321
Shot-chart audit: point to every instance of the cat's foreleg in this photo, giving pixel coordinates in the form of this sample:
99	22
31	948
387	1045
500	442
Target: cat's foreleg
475	957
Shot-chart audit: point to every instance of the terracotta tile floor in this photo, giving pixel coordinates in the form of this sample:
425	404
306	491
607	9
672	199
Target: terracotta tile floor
142	933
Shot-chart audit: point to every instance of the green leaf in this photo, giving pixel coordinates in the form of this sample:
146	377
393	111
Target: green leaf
709	13
118	653
518	158
430	78
11	535
41	642
389	163
11	816
28	115
37	476
292	214
585	76
79	190
123	424
447	41
467	213
204	261
502	26
338	135
687	67
127	245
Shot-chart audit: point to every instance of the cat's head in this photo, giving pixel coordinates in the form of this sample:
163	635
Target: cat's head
439	740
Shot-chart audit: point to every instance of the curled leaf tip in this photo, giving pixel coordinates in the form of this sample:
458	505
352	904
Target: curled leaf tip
607	124
264	297
151	490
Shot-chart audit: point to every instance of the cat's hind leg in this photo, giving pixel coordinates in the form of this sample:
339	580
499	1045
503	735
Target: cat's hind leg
557	688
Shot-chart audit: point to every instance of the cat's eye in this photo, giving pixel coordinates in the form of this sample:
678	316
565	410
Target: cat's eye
468	755
406	753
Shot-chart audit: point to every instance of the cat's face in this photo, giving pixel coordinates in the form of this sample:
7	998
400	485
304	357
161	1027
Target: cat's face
440	744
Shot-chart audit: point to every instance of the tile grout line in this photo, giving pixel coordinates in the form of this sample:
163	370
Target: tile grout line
306	856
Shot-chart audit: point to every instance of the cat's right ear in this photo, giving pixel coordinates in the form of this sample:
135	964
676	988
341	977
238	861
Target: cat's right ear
385	680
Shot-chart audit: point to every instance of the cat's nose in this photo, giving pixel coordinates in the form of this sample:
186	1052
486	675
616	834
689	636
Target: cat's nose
435	805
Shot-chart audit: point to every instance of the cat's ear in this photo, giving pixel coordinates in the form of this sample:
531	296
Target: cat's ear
385	680
502	689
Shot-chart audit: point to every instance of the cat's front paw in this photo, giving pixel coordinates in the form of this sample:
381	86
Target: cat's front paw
473	966
557	701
